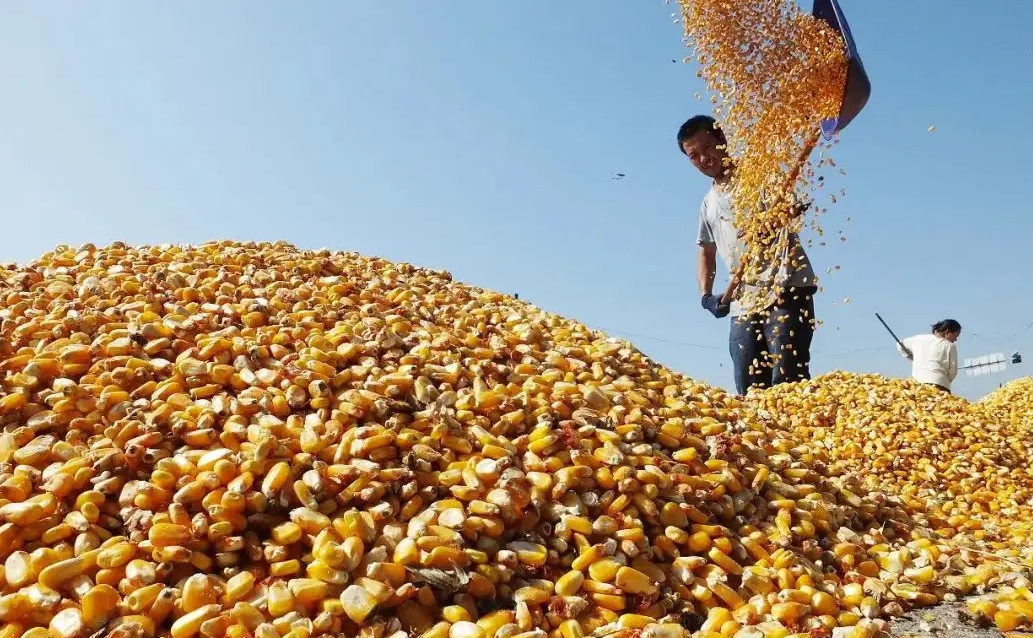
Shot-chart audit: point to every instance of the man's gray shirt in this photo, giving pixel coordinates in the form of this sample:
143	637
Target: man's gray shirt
717	226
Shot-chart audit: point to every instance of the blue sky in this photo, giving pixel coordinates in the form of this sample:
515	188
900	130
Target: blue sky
481	137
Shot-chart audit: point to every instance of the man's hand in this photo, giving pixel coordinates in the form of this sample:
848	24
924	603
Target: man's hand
713	304
801	208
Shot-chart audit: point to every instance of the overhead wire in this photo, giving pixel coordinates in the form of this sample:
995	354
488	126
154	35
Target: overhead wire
703	346
833	355
1013	335
674	342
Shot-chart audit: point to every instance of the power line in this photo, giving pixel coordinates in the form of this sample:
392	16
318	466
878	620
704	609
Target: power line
673	342
833	355
702	346
1013	335
848	353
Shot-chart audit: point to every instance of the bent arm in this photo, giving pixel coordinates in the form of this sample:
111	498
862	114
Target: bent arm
905	349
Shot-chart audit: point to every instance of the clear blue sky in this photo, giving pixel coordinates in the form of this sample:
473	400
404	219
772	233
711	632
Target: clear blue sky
481	137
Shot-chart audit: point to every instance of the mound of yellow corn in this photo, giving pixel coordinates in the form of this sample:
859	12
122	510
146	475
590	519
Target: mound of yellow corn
956	466
1015	401
250	440
961	470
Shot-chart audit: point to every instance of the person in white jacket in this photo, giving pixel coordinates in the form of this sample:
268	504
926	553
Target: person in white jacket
934	357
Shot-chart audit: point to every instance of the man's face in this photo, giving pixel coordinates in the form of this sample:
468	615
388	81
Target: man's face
704	152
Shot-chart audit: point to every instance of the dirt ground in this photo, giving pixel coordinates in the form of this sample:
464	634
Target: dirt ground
942	621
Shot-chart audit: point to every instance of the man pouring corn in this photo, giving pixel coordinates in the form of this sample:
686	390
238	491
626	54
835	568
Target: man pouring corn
803	84
768	344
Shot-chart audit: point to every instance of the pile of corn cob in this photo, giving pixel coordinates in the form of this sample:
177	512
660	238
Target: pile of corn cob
253	440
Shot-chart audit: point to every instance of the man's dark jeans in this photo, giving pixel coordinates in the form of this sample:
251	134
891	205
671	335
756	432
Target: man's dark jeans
774	349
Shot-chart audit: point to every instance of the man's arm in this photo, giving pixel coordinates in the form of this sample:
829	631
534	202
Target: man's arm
706	259
905	349
952	363
706	268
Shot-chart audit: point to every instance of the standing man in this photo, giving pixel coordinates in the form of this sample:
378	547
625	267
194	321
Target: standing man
773	345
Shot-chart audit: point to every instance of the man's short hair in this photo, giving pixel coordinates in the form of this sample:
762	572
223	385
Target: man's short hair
696	124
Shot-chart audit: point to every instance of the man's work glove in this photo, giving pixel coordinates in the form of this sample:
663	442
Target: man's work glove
712	303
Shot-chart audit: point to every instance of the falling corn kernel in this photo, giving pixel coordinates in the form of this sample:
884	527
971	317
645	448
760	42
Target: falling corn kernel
775	73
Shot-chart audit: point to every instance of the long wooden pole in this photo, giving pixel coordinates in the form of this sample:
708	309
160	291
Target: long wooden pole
791	178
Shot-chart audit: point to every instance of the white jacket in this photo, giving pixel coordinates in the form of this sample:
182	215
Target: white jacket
933	359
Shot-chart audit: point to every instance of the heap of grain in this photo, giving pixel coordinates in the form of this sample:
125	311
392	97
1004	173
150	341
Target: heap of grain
252	440
962	470
951	459
775	73
1013	401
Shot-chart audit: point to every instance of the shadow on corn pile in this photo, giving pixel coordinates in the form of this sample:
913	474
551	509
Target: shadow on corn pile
252	440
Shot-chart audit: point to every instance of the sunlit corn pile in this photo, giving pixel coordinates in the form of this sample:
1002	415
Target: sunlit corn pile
249	440
1015	402
960	469
775	73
